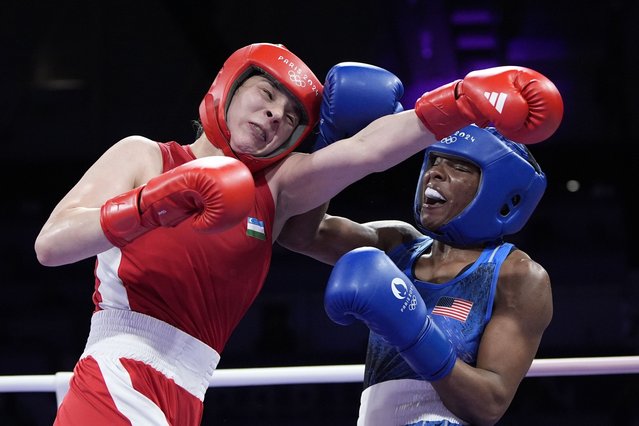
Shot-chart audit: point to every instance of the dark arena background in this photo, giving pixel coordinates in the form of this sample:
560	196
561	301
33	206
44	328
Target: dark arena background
76	76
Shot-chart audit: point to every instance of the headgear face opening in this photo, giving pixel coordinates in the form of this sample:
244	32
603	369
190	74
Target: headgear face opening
510	187
278	64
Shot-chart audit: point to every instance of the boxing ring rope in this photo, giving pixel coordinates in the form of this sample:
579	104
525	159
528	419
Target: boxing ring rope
230	377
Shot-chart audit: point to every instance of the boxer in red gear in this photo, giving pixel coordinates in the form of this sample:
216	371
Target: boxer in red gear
171	285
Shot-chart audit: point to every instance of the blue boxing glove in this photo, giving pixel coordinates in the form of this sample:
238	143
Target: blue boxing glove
356	94
366	285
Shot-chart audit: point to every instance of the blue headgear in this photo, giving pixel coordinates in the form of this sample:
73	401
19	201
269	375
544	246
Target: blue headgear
510	187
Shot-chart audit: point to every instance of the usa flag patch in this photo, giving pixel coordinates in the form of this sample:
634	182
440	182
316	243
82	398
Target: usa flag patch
453	307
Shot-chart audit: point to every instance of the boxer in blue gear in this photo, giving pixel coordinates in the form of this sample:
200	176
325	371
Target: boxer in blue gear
481	304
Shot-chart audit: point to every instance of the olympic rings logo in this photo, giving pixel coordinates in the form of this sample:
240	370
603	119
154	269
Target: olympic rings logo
413	303
296	79
449	139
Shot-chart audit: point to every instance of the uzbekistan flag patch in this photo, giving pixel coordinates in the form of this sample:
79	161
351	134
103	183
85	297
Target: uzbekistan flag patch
255	228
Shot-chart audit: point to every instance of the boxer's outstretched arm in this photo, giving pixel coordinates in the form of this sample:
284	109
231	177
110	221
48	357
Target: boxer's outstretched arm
531	111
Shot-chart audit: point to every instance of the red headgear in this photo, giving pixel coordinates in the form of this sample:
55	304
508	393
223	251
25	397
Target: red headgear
279	64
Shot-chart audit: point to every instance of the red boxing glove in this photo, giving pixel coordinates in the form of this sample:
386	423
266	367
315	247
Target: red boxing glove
217	191
521	103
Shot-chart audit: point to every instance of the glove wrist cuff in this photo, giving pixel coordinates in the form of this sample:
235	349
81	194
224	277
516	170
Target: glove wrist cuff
120	218
439	111
432	356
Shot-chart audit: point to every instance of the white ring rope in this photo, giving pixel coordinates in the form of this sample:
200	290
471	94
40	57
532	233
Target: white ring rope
336	374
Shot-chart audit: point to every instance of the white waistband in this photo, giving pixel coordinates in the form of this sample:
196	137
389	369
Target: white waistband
174	353
402	402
